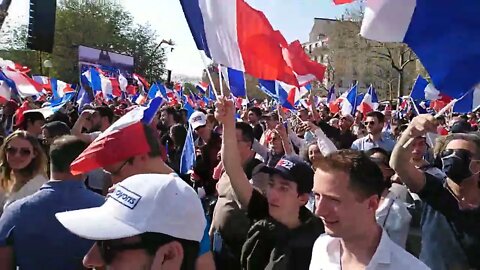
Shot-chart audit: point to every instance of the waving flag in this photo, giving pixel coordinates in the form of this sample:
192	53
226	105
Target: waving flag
54	106
24	85
425	95
348	105
369	102
432	29
83	98
60	88
187	159
235	35
122	82
469	103
202	87
141	82
236	81
305	69
275	90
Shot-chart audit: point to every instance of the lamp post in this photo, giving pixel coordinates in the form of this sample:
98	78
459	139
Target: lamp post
48	65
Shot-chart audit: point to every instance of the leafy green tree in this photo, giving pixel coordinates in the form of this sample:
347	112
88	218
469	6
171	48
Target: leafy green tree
104	25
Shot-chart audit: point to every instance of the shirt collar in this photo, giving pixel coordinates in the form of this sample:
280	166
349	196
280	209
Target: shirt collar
383	254
63	184
369	138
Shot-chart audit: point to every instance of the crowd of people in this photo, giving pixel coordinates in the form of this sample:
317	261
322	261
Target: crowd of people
97	188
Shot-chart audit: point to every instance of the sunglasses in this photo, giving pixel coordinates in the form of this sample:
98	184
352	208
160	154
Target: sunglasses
117	171
108	250
24	152
369	122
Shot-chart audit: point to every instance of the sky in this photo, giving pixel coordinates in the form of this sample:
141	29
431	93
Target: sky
294	18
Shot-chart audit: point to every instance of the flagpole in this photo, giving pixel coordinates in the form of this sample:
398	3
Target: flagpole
208	72
440	113
220	81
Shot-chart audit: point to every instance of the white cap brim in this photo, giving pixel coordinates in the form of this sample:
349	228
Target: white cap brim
96	224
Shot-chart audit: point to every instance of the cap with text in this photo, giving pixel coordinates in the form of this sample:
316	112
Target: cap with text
142	203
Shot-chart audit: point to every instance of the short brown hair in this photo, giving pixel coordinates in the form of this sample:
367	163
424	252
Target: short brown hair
442	142
365	177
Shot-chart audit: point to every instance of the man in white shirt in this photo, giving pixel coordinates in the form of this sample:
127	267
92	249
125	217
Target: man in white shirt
347	188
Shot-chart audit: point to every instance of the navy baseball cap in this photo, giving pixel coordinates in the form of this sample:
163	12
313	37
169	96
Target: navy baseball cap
294	169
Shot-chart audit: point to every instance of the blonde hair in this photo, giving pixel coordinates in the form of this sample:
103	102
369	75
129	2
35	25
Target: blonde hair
38	164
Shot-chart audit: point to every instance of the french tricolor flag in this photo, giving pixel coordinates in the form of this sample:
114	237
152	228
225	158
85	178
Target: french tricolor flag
235	80
115	144
349	104
444	35
424	91
202	87
469	103
235	35
369	102
60	88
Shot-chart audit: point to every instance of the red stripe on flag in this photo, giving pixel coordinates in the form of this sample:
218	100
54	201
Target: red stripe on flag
260	47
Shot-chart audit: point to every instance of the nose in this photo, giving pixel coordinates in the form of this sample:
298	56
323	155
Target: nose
321	207
93	258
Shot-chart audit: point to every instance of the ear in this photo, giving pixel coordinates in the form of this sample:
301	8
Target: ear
168	256
475	167
373	202
303	199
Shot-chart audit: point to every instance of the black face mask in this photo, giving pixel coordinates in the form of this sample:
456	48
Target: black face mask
456	164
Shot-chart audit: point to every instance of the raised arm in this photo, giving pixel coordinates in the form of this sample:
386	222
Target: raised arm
401	155
80	124
225	113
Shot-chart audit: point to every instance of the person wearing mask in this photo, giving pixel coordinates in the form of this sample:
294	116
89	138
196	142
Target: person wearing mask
284	229
30	235
121	162
375	138
230	223
32	122
99	119
23	165
254	116
392	214
455	197
146	223
348	187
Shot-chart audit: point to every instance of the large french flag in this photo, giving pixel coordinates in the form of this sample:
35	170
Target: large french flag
235	80
115	144
235	35
444	35
469	103
369	102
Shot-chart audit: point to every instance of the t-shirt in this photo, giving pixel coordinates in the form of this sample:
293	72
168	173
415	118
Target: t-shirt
439	249
38	239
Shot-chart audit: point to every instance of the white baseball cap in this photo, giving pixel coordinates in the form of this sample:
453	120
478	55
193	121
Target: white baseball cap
142	203
197	119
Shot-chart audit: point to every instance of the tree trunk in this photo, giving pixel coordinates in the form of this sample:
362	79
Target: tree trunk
4	11
400	84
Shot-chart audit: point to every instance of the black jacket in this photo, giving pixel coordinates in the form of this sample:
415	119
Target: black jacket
271	245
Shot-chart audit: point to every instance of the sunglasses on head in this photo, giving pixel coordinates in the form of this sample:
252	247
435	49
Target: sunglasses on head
22	151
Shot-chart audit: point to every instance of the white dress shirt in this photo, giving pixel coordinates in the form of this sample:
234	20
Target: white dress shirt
388	256
394	218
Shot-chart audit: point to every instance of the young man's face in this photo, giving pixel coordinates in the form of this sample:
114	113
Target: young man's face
373	125
283	198
252	117
340	209
118	258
